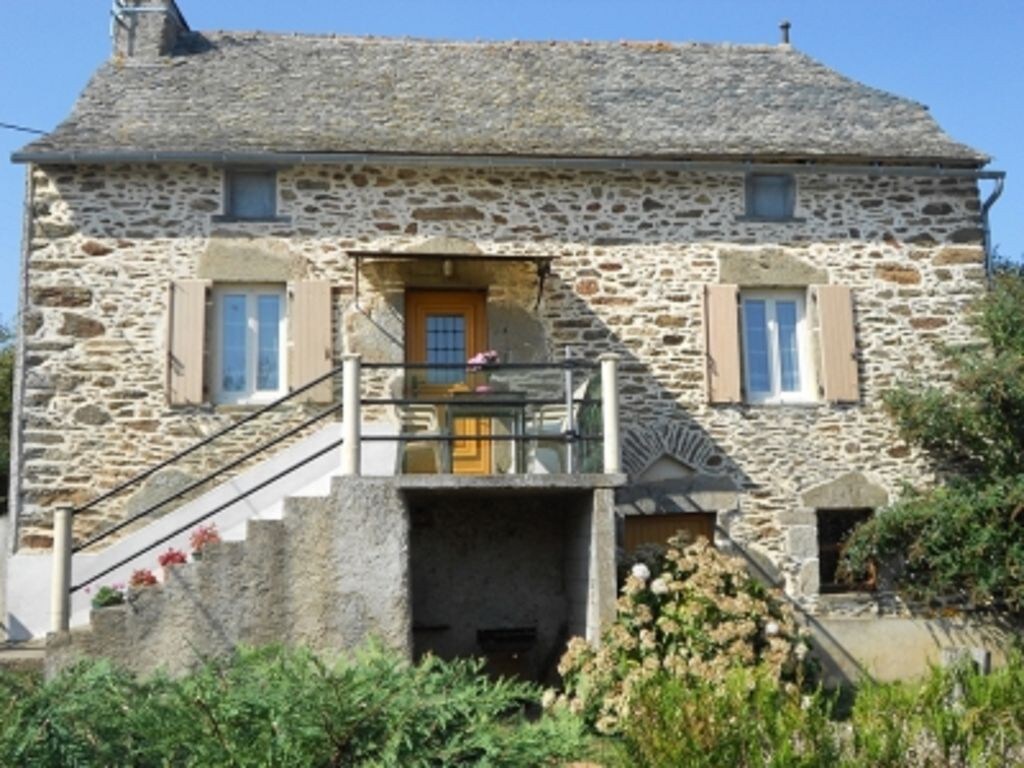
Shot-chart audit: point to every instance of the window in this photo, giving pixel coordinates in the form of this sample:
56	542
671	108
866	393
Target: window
776	358
761	346
834	527
770	197
249	332
250	195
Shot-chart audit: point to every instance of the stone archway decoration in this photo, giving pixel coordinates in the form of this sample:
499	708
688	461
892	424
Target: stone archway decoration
456	246
850	491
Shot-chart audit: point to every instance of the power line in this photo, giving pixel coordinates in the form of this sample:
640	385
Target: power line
12	127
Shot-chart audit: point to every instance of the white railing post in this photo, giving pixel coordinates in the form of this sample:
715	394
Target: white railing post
610	413
60	586
351	392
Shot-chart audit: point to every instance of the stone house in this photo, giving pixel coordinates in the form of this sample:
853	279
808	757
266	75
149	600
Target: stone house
764	245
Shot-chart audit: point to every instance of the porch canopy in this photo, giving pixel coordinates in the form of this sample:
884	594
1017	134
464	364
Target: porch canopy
441	264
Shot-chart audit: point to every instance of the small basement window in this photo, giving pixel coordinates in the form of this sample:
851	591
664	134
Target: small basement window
834	528
250	195
771	196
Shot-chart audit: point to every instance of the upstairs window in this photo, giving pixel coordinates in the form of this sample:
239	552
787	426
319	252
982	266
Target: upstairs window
250	195
776	355
771	196
250	353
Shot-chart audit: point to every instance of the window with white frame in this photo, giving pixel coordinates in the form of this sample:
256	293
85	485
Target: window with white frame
770	196
249	343
776	347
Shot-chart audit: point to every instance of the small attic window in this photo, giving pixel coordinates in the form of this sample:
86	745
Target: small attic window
250	195
771	196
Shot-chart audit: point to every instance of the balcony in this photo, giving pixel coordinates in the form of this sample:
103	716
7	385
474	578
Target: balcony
483	419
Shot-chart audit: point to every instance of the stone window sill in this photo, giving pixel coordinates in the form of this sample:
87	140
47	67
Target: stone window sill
765	220
802	405
225	219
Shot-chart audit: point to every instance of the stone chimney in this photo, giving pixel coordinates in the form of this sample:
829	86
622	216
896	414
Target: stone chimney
146	28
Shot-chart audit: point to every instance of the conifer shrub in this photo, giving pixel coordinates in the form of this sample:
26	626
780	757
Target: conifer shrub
276	707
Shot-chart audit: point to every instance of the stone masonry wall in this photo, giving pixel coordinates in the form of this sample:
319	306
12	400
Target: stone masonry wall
631	252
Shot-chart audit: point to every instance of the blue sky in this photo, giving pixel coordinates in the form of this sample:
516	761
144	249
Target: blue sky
965	60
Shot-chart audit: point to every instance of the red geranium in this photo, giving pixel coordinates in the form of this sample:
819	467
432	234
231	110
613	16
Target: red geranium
172	557
143	577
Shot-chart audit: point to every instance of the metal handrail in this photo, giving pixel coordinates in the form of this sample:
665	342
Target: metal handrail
205	516
569	363
416	437
205	441
490	400
108	532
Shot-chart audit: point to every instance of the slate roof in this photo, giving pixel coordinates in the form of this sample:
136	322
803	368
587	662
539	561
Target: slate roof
263	92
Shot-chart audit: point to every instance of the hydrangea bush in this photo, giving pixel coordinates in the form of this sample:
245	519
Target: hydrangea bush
697	615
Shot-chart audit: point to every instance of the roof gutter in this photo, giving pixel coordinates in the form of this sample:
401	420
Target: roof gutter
986	227
496	161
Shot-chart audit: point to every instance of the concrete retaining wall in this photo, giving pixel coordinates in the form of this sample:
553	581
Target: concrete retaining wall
899	648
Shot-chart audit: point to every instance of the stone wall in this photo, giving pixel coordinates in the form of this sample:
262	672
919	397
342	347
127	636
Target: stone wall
630	252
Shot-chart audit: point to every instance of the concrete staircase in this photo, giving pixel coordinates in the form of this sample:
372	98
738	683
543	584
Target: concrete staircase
327	575
231	505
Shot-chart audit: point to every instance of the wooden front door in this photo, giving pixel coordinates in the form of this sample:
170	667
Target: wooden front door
449	327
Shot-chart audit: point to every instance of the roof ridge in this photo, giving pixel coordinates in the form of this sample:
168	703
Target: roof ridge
483	42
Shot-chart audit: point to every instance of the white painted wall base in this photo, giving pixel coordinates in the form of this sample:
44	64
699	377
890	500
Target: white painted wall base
27	582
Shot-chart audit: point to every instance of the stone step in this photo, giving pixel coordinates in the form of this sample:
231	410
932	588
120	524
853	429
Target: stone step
27	656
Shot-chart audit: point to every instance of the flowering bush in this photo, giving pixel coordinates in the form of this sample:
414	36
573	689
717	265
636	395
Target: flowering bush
202	536
172	557
483	359
112	594
696	616
143	577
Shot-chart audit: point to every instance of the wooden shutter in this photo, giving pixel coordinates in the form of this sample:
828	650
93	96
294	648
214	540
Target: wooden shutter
185	341
838	344
722	343
309	325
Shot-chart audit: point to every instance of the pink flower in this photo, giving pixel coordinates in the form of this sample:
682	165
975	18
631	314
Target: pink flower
483	359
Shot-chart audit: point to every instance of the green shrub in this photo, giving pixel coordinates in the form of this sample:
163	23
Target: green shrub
696	616
108	595
963	540
273	707
746	720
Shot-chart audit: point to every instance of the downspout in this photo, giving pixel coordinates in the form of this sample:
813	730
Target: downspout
9	522
986	227
18	390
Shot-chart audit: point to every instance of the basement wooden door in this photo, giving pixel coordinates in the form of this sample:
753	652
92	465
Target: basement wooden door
449	327
657	528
